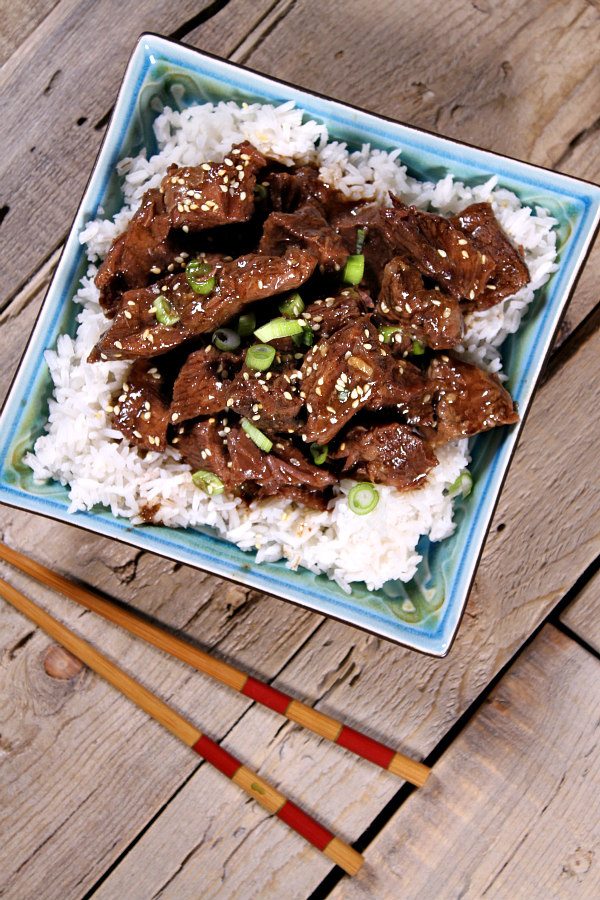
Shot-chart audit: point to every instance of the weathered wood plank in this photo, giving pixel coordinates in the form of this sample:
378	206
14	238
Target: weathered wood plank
76	757
68	71
583	615
339	667
18	23
500	87
513	808
534	554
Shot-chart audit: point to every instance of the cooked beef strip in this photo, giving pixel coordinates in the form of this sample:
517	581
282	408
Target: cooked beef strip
386	454
135	331
338	374
438	249
270	400
377	248
140	254
432	317
202	447
290	190
306	227
229	453
467	400
200	197
401	385
140	411
328	314
204	383
511	273
211	381
350	371
431	243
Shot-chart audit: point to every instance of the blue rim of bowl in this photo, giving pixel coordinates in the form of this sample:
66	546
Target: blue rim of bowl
438	644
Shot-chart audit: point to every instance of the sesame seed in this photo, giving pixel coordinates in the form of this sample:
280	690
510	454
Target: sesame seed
185	228
118	345
243	195
287	395
442	253
447	312
127	314
462	241
465	255
206	167
137	435
223	188
155	270
471	295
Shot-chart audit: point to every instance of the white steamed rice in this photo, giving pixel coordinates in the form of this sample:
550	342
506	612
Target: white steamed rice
80	449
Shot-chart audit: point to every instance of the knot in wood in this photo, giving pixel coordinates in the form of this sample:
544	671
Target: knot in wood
60	664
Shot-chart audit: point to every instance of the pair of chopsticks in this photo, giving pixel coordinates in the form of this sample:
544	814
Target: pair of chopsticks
259	789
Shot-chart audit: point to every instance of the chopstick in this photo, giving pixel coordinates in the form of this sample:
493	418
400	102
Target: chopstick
260	790
323	725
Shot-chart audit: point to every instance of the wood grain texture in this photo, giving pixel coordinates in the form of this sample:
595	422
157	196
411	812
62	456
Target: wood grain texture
18	23
583	615
533	555
74	756
67	809
513	809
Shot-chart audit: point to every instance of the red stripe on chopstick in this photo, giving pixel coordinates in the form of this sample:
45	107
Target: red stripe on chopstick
267	695
365	746
216	756
293	816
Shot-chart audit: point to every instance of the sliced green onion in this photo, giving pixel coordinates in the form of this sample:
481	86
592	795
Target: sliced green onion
306	339
418	349
246	324
363	498
463	485
360	239
199	278
165	312
208	482
278	328
260	357
256	435
260	192
292	307
226	339
319	453
389	332
354	269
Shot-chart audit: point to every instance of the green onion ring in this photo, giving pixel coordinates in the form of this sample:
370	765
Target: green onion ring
260	357
363	498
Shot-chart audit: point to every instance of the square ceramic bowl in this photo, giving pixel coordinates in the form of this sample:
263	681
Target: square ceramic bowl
425	613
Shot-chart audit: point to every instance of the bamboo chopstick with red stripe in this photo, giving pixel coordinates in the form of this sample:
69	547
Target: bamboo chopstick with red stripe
260	790
323	725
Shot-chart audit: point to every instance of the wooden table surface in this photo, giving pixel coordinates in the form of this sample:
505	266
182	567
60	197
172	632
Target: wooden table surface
95	799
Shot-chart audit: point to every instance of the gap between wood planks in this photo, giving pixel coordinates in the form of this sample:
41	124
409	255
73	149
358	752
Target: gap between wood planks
392	807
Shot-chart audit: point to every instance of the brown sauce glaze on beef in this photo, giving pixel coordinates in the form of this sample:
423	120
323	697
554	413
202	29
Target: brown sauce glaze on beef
356	381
